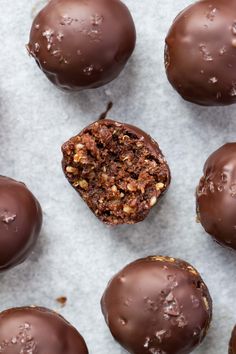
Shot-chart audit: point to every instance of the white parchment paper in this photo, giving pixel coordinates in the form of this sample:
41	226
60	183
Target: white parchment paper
76	255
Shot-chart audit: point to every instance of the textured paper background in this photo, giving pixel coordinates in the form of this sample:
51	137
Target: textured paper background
76	255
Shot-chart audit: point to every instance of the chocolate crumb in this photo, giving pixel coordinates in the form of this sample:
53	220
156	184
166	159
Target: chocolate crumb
62	300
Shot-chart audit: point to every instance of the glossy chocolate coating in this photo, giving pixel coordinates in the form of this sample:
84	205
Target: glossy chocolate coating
157	305
232	343
118	170
20	222
37	330
216	195
200	55
82	44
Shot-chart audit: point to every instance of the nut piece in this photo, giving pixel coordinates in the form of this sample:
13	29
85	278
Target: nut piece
114	188
77	158
162	259
104	177
131	187
153	201
79	146
159	186
83	184
192	270
127	209
71	169
206	303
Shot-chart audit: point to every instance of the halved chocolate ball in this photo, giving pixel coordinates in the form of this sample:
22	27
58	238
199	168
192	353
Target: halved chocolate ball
20	222
37	330
157	305
200	54
216	195
82	44
118	170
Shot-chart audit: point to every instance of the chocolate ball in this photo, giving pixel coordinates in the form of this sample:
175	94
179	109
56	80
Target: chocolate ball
31	330
157	305
20	222
232	343
82	44
216	195
118	170
200	54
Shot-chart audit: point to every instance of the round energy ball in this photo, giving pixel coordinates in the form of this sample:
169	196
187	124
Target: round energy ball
82	44
157	305
200	53
38	330
216	195
20	222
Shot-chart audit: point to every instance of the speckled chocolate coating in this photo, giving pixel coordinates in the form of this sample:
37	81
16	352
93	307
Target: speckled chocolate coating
37	330
20	222
157	305
118	170
82	44
200	55
232	343
216	195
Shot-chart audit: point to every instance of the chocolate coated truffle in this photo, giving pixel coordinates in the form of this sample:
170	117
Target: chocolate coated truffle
232	343
200	54
37	330
157	305
216	195
20	222
82	44
117	169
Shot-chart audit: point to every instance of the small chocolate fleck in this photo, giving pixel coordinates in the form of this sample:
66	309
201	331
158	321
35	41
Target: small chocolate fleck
62	300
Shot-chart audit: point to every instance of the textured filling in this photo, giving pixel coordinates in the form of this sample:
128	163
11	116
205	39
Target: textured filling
115	172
